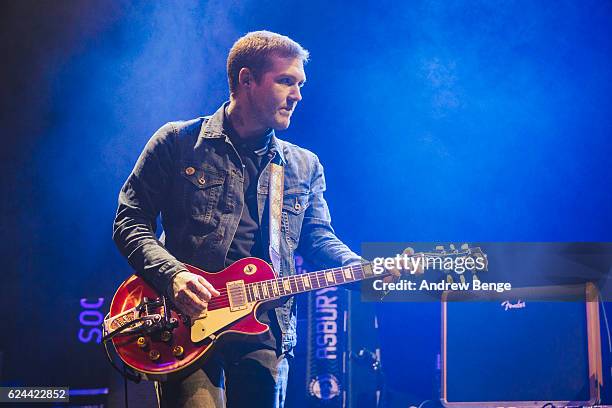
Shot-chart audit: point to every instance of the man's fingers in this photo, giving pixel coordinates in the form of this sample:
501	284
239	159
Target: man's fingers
209	286
195	301
191	293
409	251
390	278
417	265
188	309
200	290
191	304
421	265
395	272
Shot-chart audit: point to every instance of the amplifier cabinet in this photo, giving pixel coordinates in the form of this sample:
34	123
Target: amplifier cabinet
538	346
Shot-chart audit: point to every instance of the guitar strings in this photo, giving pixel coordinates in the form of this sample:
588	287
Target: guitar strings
255	289
294	281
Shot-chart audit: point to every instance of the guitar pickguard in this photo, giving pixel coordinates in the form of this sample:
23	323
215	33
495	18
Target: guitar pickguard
217	319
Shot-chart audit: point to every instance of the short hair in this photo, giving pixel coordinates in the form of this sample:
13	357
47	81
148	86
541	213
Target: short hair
253	51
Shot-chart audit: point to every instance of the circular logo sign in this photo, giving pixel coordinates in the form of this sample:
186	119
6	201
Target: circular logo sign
324	387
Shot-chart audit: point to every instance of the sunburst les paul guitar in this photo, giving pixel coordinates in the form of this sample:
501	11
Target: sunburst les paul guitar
154	338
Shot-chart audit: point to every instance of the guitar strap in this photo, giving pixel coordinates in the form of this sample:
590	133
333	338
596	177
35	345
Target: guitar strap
275	192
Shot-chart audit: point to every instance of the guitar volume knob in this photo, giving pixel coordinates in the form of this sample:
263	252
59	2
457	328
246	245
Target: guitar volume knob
141	342
154	355
178	351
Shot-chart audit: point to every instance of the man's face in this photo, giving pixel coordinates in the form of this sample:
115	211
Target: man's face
274	97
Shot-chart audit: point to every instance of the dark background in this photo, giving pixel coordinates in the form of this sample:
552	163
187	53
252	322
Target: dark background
435	121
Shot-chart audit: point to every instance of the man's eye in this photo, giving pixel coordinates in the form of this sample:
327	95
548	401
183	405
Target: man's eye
286	81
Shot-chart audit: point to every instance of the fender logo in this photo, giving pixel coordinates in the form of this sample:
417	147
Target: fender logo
509	305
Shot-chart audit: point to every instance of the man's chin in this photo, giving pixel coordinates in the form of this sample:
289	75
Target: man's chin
282	124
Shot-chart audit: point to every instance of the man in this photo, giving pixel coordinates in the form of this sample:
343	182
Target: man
209	179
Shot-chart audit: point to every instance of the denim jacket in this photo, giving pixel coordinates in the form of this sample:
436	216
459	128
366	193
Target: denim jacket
200	210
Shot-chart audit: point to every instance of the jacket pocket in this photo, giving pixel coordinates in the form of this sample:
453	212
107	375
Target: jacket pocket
295	204
203	188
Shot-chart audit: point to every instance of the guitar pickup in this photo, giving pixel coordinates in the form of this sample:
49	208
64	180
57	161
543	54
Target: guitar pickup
236	292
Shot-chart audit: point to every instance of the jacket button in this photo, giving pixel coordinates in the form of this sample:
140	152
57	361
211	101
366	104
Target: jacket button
297	206
190	171
201	180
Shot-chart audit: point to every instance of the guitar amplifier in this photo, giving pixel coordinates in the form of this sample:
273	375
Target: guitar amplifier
541	345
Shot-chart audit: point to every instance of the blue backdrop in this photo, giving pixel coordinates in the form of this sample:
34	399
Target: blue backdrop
435	121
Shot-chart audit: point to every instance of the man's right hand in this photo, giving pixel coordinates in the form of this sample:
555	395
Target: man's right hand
191	293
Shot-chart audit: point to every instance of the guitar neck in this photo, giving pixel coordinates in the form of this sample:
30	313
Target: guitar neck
306	282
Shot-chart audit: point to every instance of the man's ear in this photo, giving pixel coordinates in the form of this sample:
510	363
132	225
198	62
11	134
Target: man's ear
245	76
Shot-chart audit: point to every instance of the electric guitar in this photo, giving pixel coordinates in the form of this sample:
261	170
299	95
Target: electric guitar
158	341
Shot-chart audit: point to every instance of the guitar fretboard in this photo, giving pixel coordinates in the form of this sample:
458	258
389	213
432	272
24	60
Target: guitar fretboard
290	285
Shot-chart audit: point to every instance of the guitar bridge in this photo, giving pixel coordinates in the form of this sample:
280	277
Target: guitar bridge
124	318
236	292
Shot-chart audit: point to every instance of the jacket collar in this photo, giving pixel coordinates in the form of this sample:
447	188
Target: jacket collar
213	129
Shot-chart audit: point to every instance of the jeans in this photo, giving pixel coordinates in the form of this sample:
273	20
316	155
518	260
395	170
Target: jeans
235	375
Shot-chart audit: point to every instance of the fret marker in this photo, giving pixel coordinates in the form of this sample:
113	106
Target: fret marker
329	276
265	290
286	285
306	281
275	287
348	273
256	290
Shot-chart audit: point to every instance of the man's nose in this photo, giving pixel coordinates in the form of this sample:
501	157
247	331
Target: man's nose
295	93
